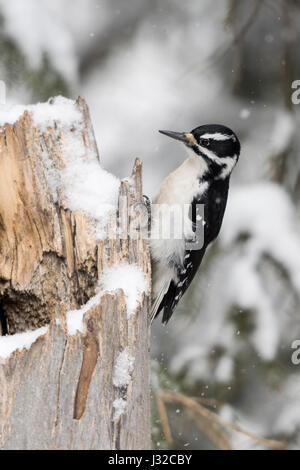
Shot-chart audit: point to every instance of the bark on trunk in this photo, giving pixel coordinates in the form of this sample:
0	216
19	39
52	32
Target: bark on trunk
60	394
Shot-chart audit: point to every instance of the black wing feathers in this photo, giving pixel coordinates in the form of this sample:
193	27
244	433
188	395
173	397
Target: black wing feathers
214	201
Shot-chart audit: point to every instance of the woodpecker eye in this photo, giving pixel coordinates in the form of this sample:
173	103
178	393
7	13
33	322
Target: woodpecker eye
204	142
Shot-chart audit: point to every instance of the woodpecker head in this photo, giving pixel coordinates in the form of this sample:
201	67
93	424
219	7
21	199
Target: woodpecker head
216	144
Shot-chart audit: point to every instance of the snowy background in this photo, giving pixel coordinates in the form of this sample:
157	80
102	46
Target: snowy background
143	65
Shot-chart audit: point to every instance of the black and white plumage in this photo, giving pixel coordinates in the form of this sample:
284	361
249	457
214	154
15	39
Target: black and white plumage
202	179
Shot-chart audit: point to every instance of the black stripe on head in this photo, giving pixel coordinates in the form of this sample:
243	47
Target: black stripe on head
214	168
221	140
223	148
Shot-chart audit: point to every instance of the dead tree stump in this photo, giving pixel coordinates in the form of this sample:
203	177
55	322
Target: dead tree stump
81	389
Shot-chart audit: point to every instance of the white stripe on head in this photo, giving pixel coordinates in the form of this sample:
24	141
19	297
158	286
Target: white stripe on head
229	162
218	136
209	153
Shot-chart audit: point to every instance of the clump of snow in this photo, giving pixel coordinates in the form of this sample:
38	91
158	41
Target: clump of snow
10	114
74	318
119	406
123	369
86	185
61	110
128	277
19	341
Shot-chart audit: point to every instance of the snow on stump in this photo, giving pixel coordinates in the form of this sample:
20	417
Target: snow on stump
74	287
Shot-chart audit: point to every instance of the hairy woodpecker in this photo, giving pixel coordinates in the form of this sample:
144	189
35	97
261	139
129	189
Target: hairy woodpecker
202	179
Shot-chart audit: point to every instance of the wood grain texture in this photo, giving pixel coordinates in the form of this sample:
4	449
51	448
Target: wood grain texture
59	394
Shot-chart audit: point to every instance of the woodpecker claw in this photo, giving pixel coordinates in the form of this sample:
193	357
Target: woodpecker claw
147	203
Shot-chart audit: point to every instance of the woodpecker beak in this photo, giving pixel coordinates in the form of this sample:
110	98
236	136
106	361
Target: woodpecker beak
185	137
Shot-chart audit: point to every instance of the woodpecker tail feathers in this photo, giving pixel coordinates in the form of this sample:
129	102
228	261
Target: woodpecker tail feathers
158	298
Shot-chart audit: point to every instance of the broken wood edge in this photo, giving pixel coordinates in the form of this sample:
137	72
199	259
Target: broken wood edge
85	344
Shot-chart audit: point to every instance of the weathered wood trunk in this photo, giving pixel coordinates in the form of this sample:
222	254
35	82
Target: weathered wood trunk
61	392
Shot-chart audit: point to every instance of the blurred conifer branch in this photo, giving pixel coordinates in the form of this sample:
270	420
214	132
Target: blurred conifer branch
212	425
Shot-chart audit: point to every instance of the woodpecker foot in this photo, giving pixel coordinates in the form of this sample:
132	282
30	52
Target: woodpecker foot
147	203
